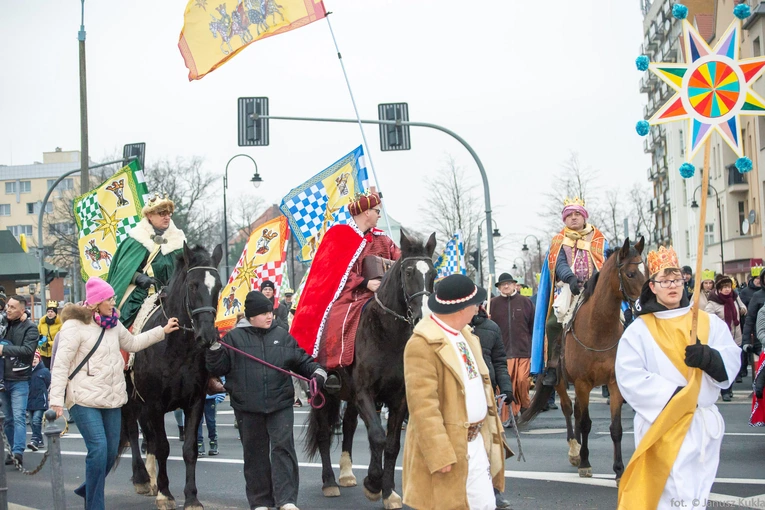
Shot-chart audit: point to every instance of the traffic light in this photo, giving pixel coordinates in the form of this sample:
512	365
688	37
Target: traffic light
475	259
50	275
252	132
394	137
135	149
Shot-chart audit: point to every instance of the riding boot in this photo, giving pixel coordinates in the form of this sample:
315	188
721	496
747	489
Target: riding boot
181	435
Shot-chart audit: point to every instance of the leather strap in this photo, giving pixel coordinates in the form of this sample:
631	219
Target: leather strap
87	358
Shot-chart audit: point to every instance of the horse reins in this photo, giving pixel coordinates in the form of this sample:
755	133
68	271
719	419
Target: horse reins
196	311
312	384
407	297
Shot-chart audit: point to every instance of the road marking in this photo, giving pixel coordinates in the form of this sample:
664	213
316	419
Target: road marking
543	431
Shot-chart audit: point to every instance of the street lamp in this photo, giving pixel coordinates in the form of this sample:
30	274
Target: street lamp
695	205
523	264
256	181
525	249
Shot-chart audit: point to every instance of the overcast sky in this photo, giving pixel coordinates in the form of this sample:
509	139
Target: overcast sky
524	83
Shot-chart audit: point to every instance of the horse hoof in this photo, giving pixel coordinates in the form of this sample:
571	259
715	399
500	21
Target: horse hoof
331	492
347	480
617	482
166	504
575	460
143	488
393	501
372	496
194	505
585	472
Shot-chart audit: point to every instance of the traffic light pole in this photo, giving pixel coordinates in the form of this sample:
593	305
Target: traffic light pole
486	196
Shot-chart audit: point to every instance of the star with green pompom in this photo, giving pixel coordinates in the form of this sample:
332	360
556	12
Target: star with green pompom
712	89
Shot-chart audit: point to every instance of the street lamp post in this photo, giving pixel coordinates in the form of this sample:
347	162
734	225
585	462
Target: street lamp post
479	271
695	205
84	176
256	180
525	249
523	264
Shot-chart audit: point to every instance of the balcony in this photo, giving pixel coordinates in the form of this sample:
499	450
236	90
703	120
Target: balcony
646	148
737	182
651	174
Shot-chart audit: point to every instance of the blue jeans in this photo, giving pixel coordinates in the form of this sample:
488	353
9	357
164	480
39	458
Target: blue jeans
209	418
14	400
37	416
100	428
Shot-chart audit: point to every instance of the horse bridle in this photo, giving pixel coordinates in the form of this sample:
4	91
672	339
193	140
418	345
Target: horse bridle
196	311
407	297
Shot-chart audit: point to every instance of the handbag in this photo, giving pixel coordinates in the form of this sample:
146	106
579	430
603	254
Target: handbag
374	267
87	358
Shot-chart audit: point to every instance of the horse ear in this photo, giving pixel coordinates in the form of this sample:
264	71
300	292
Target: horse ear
625	251
186	254
405	243
640	245
430	246
217	255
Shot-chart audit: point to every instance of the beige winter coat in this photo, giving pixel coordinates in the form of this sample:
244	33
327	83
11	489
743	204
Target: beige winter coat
101	382
719	310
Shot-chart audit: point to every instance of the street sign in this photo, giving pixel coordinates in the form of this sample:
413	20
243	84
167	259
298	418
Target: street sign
394	138
135	149
252	132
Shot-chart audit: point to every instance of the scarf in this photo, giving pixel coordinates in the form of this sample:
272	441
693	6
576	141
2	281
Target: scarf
49	321
107	321
729	306
576	235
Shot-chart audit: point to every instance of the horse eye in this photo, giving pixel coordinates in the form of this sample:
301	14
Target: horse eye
630	275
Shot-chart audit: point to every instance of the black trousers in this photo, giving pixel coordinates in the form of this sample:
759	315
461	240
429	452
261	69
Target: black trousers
271	474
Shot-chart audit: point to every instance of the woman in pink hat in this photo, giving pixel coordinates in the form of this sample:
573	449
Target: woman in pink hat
88	378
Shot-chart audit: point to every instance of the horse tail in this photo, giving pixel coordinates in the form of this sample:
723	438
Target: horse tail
321	423
538	402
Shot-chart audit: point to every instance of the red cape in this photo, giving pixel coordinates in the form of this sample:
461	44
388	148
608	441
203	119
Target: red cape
337	253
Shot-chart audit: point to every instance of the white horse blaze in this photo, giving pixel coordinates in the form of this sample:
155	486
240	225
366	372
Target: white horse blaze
423	268
641	268
209	281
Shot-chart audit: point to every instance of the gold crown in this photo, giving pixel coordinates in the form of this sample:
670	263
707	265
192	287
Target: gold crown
51	304
664	258
707	274
756	271
573	201
527	291
158	201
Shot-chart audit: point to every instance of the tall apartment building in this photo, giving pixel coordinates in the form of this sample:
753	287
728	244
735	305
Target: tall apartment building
733	242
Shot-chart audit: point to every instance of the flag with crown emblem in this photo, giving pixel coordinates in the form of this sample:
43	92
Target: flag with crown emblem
263	258
322	201
105	216
452	260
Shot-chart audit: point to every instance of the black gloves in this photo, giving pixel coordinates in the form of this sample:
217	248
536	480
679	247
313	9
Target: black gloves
573	284
748	348
707	359
333	384
144	281
509	397
698	355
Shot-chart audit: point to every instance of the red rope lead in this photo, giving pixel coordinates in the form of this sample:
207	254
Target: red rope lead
313	386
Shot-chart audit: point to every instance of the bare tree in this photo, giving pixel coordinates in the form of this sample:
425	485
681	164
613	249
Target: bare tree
242	213
609	217
641	217
574	180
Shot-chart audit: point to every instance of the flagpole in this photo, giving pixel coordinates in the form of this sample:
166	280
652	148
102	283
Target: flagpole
358	118
700	244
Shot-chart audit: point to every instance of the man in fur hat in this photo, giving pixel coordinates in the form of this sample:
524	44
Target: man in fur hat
576	254
336	289
145	261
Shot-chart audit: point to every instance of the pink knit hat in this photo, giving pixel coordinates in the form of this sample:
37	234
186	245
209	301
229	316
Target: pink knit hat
97	290
574	208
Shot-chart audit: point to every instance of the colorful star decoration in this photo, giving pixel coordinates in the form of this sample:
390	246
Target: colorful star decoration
247	273
712	89
107	224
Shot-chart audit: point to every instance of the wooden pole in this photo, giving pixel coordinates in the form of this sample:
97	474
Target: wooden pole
700	244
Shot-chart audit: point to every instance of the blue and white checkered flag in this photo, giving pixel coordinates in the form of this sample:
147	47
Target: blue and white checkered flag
452	260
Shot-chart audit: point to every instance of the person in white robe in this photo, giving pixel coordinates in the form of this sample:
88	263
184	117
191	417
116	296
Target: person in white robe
672	384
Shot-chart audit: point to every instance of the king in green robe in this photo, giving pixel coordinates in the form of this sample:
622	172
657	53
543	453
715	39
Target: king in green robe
148	251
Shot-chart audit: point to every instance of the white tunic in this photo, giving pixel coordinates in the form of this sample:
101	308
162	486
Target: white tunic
647	379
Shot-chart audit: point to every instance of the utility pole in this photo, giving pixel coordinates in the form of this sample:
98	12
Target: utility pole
84	176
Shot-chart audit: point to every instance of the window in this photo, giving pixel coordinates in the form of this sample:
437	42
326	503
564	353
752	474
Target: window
685	194
756	48
682	143
65	185
709	234
25	186
688	243
5	209
10	188
761	129
17	230
61	228
741	217
34	207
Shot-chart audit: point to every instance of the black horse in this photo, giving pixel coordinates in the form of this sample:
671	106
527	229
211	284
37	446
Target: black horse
377	376
171	375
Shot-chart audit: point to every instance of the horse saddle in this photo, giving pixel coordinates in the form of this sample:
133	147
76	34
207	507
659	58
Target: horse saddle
374	267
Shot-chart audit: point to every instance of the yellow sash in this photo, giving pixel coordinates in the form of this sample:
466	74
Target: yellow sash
646	475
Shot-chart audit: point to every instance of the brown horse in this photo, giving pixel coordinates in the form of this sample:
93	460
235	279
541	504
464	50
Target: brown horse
589	354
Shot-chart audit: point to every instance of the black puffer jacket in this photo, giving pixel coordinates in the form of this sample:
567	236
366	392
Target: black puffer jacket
749	333
489	334
255	388
22	336
747	292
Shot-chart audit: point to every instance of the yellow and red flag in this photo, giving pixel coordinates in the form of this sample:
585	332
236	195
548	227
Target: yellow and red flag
213	33
262	259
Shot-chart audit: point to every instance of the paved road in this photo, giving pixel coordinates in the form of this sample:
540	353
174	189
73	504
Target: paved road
545	481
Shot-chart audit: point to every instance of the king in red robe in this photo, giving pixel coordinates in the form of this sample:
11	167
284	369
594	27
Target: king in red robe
330	306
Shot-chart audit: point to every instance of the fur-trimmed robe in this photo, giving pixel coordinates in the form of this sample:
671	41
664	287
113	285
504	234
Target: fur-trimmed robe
131	257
